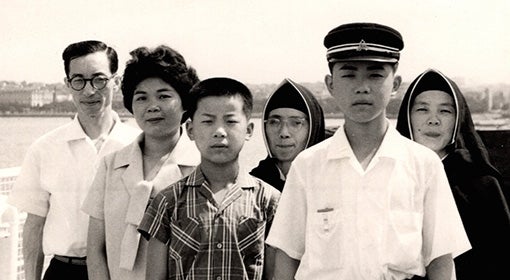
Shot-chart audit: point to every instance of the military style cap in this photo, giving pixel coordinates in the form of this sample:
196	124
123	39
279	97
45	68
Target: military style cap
363	42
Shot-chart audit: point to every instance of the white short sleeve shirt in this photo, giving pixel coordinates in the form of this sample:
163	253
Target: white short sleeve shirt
386	222
55	177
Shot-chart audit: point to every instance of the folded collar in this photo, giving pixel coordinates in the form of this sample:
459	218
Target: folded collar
390	146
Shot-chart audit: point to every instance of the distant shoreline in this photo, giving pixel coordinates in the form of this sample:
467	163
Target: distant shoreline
482	121
122	115
53	115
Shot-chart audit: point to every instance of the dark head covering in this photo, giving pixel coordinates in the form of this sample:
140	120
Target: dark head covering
290	95
295	96
465	144
363	42
474	182
285	97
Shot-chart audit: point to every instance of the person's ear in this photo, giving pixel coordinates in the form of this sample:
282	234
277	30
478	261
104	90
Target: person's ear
189	129
249	131
396	83
328	80
117	80
66	82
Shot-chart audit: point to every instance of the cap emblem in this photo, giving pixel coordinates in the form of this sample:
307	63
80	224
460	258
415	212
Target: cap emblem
362	46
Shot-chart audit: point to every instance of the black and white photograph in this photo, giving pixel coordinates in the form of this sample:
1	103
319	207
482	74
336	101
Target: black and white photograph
262	140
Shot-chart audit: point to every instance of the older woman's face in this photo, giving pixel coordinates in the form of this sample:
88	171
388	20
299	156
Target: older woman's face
433	120
287	133
157	108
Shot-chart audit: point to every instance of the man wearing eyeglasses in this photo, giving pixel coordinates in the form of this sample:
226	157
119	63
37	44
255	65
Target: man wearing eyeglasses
292	121
59	167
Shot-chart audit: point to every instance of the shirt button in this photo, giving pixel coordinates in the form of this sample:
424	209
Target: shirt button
219	246
218	277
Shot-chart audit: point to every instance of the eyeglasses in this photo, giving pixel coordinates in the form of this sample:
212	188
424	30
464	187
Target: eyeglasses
98	82
294	124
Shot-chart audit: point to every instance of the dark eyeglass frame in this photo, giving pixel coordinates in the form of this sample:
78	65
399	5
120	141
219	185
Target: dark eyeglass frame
104	79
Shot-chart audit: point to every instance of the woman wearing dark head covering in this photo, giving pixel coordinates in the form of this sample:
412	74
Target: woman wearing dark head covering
434	113
293	121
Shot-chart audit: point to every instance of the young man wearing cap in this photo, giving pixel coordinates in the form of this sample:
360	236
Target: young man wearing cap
366	203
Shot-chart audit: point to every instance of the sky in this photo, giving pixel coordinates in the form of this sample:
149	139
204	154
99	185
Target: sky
262	41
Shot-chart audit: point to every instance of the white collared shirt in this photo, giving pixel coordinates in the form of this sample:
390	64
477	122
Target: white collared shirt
390	220
55	177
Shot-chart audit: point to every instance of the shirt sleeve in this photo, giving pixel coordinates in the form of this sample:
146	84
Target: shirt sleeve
289	225
94	201
443	231
156	220
28	194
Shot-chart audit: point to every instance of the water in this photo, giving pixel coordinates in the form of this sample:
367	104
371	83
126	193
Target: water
19	133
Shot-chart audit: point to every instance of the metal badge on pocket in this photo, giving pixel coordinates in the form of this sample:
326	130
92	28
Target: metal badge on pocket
326	218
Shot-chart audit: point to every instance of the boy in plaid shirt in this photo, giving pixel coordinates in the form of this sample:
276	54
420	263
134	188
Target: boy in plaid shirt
212	224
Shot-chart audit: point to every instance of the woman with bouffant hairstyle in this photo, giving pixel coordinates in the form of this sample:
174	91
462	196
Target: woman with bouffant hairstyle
155	88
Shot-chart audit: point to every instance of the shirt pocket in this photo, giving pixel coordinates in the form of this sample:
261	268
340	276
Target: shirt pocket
325	240
184	244
250	234
404	240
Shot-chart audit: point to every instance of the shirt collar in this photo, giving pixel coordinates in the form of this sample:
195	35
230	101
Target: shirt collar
244	180
76	132
183	154
389	148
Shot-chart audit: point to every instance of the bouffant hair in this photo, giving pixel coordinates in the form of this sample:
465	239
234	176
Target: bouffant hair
161	62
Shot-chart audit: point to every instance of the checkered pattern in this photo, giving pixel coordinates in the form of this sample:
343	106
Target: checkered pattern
208	240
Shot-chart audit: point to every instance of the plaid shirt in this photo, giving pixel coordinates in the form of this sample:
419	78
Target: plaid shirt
207	240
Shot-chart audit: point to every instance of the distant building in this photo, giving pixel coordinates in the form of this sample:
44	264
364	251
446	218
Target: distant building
62	94
41	97
20	96
29	96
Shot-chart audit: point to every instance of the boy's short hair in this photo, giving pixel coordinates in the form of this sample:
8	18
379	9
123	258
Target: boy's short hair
162	62
84	48
220	86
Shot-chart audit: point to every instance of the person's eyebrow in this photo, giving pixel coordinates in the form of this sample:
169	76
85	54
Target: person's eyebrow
93	75
375	67
208	115
230	115
348	67
420	103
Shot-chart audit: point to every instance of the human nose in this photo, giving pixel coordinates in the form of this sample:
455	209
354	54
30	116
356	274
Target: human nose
362	87
88	90
153	107
220	132
284	130
433	120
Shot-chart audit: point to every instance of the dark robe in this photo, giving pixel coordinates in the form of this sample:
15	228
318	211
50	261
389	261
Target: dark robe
269	173
475	184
